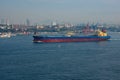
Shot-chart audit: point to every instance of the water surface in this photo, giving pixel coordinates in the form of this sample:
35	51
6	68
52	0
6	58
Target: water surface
21	59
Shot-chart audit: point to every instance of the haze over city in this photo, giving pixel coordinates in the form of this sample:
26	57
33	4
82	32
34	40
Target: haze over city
71	11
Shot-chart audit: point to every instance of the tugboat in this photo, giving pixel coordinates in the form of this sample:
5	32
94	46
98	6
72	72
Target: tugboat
100	35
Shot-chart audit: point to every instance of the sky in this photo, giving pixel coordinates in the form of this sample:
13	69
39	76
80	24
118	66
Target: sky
61	11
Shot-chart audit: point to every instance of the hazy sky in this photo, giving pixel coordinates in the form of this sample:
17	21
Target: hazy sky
71	11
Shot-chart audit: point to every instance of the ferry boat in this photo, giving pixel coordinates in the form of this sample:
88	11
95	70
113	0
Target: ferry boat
99	36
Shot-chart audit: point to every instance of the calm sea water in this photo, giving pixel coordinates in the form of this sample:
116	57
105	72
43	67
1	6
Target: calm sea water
21	59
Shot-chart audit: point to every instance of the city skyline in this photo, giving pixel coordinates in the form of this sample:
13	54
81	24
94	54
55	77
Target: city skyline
71	11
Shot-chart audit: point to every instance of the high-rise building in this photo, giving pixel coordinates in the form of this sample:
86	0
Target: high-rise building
2	21
53	23
27	22
7	22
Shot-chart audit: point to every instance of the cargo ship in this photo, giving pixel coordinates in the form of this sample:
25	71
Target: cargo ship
98	36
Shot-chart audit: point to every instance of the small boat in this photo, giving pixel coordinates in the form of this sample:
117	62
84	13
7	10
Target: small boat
5	35
99	36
